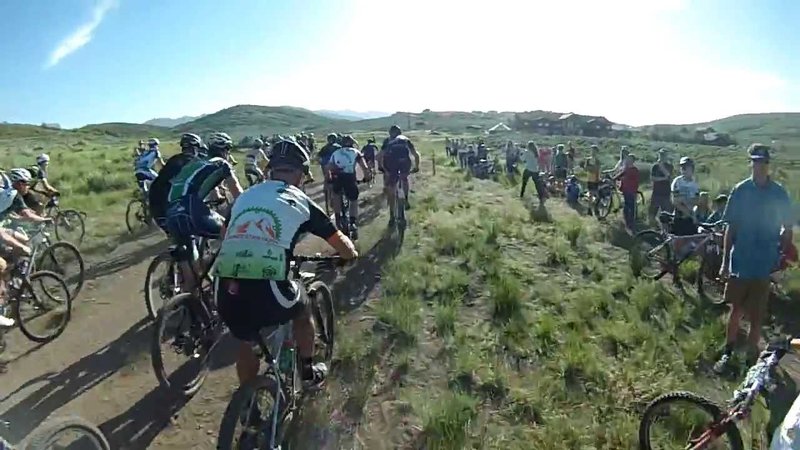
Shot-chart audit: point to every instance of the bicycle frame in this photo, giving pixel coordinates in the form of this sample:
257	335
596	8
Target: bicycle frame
271	343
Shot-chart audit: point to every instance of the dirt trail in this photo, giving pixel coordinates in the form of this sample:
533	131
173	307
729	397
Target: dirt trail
100	367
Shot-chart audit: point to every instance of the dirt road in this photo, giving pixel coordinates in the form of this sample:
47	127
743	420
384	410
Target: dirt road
100	367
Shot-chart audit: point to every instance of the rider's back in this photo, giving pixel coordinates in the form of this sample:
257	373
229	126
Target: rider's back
397	152
199	177
159	188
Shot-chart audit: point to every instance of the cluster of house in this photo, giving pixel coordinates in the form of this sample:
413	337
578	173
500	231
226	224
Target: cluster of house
567	124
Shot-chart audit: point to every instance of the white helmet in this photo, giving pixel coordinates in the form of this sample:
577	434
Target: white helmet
43	158
19	174
7	193
153	142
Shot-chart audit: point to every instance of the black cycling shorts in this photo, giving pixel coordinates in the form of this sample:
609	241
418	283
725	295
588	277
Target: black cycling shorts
246	306
346	183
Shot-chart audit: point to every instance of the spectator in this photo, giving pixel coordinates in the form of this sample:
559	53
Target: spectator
572	191
623	155
560	163
592	167
759	229
570	157
531	158
629	186
512	156
546	159
718	208
684	196
701	210
661	176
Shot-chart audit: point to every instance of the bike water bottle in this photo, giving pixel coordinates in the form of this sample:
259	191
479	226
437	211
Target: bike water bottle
286	358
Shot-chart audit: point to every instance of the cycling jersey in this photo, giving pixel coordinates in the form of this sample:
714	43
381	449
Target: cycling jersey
160	187
684	191
147	161
369	151
265	224
345	160
37	173
397	154
326	152
254	157
199	178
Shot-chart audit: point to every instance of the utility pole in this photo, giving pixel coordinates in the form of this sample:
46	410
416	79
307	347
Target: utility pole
408	117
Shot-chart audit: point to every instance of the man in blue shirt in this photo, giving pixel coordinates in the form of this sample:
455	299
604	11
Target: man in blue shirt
759	226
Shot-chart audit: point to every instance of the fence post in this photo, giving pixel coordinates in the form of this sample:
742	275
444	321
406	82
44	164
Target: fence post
434	162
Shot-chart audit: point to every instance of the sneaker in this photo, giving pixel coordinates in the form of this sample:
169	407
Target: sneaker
4	320
319	373
723	363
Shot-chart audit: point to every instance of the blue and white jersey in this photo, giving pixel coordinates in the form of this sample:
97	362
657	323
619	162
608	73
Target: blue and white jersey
345	159
147	161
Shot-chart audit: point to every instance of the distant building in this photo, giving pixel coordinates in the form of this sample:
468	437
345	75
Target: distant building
53	126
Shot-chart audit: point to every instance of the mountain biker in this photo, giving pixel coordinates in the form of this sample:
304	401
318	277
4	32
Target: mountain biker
191	148
369	151
145	164
39	173
8	195
253	161
20	208
138	150
253	263
324	157
394	160
342	168
188	216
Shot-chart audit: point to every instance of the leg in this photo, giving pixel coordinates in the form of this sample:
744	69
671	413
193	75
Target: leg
537	183
352	195
757	298
247	363
388	189
526	175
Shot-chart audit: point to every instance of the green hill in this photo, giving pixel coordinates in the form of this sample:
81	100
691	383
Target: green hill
252	120
127	130
450	121
761	127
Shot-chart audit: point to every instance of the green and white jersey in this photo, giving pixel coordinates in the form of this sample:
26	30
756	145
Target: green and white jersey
199	178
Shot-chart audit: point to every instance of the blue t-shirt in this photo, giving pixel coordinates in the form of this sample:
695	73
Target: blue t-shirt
757	214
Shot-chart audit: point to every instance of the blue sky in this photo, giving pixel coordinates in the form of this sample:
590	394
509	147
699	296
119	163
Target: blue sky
87	61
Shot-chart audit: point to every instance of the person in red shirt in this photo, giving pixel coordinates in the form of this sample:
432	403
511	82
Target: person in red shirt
629	186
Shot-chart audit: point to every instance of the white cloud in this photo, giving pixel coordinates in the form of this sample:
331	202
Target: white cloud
626	59
82	35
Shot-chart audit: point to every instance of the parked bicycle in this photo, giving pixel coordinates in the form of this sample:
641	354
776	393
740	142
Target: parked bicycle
62	433
69	223
609	199
266	405
706	423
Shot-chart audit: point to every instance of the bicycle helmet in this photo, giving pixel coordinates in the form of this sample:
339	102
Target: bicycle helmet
288	153
394	130
219	144
7	193
258	143
191	141
42	159
371	140
19	175
348	141
153	142
332	138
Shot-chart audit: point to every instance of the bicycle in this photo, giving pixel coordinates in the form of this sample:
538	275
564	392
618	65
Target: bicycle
722	423
66	221
137	214
400	204
47	436
343	222
280	381
608	197
660	256
43	255
198	328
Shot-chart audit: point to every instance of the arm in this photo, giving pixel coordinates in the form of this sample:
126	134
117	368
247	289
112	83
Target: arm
787	218
363	164
8	238
414	154
31	216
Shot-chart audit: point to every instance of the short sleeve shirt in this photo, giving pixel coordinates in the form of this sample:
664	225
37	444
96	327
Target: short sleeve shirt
685	191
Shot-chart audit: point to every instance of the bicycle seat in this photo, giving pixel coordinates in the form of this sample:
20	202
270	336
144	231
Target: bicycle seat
180	252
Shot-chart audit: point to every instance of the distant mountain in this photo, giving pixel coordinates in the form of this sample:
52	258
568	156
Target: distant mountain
169	123
253	120
348	114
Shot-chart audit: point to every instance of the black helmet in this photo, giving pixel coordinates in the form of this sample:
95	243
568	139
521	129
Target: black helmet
394	130
289	153
191	141
258	143
348	141
219	144
332	138
371	140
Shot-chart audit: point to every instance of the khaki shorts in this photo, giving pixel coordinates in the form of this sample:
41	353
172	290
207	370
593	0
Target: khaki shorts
751	295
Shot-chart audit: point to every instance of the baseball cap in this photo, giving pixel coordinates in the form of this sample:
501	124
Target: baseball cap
758	152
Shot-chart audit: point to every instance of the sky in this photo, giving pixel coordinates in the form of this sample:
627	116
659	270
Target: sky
637	62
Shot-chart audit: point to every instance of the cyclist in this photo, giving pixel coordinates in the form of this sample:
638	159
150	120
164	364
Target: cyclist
20	208
369	151
253	263
592	167
8	195
342	168
253	161
39	173
145	163
394	160
188	216
684	197
324	158
311	144
191	148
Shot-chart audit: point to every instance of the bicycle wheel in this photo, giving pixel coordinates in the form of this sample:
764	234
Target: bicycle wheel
50	435
136	217
43	306
400	215
160	287
64	259
691	429
604	204
324	314
191	344
652	256
252	405
70	226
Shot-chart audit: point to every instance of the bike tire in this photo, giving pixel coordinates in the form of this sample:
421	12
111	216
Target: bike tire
653	239
322	306
604	206
149	300
240	399
43	436
68	220
131	219
65	300
74	282
651	414
191	386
